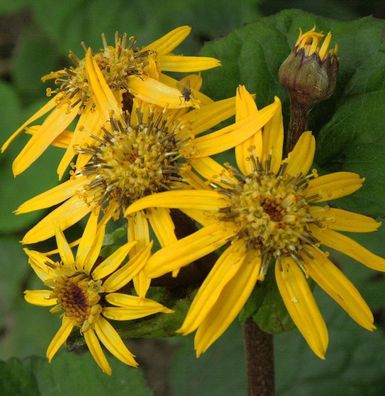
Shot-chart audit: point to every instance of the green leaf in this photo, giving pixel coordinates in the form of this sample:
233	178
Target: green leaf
34	56
39	177
69	374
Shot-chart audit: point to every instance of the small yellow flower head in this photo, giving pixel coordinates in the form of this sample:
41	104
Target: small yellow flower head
87	294
310	72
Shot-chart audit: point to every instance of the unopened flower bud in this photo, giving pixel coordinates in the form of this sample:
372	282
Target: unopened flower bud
309	73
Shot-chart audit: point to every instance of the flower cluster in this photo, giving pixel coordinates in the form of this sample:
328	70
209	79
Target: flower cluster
141	146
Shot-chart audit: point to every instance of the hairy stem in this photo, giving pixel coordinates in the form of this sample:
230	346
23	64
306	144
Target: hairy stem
259	360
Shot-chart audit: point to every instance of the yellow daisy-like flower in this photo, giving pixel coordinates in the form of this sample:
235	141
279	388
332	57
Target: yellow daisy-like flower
87	293
268	211
98	85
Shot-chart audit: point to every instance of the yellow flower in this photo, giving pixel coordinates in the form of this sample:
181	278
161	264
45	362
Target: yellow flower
268	212
99	85
87	294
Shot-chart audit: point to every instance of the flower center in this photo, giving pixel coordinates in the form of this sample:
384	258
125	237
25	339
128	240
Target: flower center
132	161
78	297
116	63
271	212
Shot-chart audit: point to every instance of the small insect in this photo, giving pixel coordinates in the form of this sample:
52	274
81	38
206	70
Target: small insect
186	91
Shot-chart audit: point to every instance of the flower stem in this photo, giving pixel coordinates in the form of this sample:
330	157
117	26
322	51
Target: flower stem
299	114
259	360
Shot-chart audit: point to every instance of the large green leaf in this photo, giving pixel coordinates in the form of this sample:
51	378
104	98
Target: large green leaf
69	374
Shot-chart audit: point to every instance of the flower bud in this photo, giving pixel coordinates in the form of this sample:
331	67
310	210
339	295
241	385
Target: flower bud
309	73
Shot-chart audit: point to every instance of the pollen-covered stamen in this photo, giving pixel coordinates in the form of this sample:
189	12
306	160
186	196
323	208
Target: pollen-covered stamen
76	296
116	63
271	212
132	161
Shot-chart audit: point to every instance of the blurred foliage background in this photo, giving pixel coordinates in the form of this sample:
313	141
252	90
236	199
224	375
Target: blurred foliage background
35	36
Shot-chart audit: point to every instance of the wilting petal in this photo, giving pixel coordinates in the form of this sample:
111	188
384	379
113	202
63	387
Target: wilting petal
60	337
53	196
228	264
188	249
273	138
112	262
40	297
333	186
335	283
301	158
179	63
69	213
112	341
141	284
347	246
62	141
169	41
229	304
343	220
96	351
182	199
301	305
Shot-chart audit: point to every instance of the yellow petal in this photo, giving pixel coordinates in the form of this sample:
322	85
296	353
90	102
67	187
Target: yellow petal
273	137
252	146
138	230
301	158
179	63
192	178
153	91
62	141
64	249
87	239
232	135
112	262
96	351
122	276
112	341
335	283
69	213
228	264
347	246
194	199
102	92
94	252
229	304
169	41
186	81
89	123
40	263
200	216
301	305
52	127
214	172
245	105
131	307
188	249
60	338
141	284
162	225
40	297
206	117
45	109
53	196
343	220
333	186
